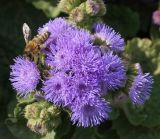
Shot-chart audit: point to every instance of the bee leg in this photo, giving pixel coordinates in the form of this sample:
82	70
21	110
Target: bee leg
36	57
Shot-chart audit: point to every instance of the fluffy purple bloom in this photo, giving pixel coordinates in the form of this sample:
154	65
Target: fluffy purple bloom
114	71
141	88
156	17
82	65
55	88
85	84
89	111
24	76
80	36
62	54
111	39
57	28
80	75
88	60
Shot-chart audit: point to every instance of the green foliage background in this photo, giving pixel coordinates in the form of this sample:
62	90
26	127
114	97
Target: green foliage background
132	18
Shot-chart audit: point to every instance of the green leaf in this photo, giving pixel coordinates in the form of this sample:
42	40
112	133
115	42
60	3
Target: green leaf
136	115
20	131
110	134
4	132
105	131
127	131
49	135
49	7
85	133
64	128
147	54
114	113
155	32
123	20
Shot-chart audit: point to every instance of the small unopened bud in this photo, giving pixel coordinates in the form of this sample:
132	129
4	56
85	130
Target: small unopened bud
53	111
37	126
32	111
92	7
44	114
68	5
77	15
102	7
42	117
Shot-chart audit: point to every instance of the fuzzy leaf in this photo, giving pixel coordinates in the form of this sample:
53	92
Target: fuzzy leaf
155	32
127	131
123	20
85	133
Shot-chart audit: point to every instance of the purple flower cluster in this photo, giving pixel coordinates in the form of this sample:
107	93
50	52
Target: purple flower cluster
81	72
81	75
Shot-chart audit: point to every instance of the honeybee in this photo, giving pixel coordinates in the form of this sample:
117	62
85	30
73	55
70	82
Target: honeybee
33	46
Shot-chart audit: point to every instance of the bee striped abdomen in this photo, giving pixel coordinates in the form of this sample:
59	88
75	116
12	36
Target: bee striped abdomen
41	38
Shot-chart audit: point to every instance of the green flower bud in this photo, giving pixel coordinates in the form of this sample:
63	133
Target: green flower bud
32	111
77	15
102	7
92	7
53	110
42	117
44	114
68	5
37	126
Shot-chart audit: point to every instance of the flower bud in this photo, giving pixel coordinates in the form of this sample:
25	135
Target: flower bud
102	7
92	7
68	5
53	110
44	114
37	126
32	111
77	15
42	117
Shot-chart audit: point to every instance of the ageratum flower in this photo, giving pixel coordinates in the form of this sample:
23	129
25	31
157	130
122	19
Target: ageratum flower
82	64
55	87
80	70
60	55
89	111
85	84
87	60
114	71
80	36
57	27
141	88
24	76
110	39
156	17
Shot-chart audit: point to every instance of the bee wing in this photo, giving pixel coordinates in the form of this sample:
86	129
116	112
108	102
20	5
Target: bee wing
26	32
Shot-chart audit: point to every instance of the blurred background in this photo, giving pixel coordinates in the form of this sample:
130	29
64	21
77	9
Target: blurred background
132	19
